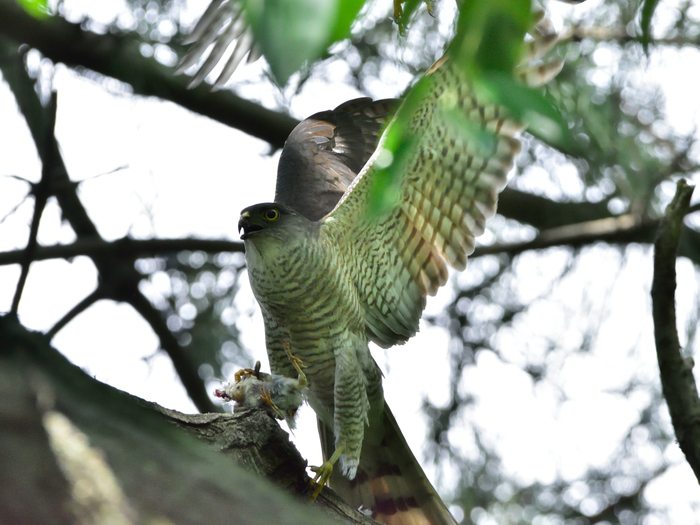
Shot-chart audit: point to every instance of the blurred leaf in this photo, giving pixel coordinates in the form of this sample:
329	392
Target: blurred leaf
396	146
36	8
489	45
347	13
490	35
648	9
292	32
527	105
404	10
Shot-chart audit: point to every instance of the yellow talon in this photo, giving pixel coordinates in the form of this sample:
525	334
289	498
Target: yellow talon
267	398
323	473
297	364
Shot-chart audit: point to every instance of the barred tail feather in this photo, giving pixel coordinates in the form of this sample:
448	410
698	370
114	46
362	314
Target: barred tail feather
389	482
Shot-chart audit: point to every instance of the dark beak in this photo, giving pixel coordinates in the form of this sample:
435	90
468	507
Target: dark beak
248	228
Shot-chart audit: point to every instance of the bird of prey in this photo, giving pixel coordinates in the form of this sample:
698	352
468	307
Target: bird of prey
355	241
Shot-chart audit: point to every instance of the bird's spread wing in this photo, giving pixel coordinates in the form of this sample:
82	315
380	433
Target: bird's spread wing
399	227
222	25
325	152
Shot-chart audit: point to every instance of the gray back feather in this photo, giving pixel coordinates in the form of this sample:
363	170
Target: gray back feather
324	153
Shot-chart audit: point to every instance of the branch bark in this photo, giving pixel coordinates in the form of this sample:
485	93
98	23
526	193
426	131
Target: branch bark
677	381
202	468
126	248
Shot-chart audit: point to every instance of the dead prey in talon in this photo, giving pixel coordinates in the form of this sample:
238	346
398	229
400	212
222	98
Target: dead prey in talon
252	388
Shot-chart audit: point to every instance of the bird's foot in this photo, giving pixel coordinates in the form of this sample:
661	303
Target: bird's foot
323	473
297	364
267	399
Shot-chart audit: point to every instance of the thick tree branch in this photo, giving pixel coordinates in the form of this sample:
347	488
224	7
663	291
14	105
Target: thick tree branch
543	213
623	229
204	468
118	56
125	248
677	381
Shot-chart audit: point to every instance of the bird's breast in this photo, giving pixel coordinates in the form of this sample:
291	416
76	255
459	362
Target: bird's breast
304	287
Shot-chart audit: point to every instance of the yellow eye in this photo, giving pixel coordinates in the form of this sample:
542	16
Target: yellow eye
272	214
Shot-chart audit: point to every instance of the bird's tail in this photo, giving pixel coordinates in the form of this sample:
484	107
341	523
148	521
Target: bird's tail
389	482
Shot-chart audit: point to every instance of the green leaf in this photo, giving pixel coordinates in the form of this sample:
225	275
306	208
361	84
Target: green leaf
36	8
294	32
397	144
527	105
648	9
347	13
403	12
490	35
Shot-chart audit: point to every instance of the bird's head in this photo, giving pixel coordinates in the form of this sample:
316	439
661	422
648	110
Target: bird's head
270	220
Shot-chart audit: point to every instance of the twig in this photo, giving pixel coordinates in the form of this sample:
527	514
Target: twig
75	311
677	381
41	195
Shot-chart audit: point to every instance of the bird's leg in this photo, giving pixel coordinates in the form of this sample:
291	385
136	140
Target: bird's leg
297	364
323	473
267	398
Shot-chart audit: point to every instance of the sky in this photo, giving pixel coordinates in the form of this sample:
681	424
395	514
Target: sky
177	180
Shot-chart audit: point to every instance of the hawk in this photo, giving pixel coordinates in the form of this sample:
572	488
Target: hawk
355	241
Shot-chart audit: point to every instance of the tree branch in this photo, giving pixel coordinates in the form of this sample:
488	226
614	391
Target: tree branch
203	468
677	381
119	277
79	308
623	229
117	55
125	248
41	195
620	35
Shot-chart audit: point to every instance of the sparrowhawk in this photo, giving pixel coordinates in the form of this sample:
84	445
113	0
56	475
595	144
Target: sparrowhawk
355	241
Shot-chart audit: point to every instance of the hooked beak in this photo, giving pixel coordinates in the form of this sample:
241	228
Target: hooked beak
245	225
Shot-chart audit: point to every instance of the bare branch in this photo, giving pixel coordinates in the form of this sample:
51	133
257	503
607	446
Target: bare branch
126	248
677	381
119	277
76	311
621	36
614	230
41	195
